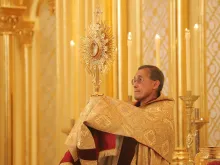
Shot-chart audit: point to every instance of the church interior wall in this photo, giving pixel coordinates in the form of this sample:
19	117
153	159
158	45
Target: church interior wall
49	87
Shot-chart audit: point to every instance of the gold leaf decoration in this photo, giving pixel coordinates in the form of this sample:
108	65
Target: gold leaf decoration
97	48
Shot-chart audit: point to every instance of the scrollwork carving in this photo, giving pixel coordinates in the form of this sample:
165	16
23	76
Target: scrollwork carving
10	17
8	22
25	32
26	36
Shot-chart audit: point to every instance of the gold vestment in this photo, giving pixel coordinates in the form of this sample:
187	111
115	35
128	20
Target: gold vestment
151	125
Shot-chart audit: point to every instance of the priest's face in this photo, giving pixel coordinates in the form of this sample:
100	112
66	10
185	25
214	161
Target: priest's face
144	87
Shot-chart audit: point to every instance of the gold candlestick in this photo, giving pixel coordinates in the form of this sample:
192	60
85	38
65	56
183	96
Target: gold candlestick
198	123
157	43
189	100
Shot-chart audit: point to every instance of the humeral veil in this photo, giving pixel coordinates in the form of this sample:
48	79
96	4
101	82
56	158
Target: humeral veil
113	132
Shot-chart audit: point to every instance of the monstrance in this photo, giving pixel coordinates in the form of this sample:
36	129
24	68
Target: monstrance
97	49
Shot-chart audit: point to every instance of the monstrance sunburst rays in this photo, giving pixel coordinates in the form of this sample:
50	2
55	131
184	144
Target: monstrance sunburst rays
97	50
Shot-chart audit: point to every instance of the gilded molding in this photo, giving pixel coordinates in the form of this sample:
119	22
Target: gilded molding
25	32
9	18
52	5
8	23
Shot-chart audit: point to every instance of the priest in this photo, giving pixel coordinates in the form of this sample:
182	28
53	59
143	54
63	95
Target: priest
113	132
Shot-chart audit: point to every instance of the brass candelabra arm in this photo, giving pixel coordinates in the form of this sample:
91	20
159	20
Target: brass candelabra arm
189	100
199	123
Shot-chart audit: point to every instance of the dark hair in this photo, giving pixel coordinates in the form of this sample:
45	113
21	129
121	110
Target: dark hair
155	74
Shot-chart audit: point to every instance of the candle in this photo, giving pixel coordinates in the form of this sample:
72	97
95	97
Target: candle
157	43
129	44
72	90
197	59
188	66
196	64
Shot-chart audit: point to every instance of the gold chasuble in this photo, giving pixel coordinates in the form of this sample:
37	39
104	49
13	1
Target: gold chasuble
112	132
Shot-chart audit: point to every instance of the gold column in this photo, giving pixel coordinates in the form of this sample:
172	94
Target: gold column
9	19
6	98
115	63
3	103
60	111
11	2
19	94
35	93
122	50
88	21
66	59
179	21
203	84
173	64
138	46
182	18
74	67
25	35
134	26
106	6
65	56
81	76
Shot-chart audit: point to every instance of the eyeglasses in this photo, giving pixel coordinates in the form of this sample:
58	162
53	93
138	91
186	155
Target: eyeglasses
137	80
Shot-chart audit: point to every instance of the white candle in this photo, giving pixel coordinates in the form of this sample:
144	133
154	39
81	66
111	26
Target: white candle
129	44
72	58
188	65
197	60
157	43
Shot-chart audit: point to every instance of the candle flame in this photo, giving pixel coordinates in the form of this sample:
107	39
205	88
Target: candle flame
72	43
187	33
186	30
129	36
157	36
196	26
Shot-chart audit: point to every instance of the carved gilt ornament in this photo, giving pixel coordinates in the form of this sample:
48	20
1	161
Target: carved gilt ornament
9	18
